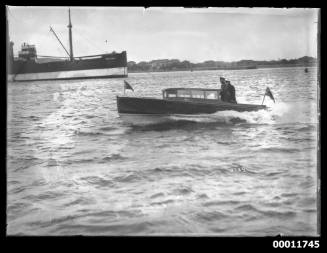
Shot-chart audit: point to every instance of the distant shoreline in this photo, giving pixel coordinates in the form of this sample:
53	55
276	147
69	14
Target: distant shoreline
203	69
166	65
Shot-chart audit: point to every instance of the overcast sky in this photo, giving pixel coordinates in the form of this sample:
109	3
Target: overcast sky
221	34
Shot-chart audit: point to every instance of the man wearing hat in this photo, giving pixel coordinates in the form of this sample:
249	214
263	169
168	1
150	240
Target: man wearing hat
227	93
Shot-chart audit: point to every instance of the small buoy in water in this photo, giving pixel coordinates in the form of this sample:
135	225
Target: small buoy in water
306	70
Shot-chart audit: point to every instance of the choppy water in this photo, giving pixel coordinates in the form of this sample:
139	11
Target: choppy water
74	168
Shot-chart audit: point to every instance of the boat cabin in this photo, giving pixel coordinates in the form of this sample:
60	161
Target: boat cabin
191	94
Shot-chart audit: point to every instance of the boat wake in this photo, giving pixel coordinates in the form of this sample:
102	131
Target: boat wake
281	113
275	114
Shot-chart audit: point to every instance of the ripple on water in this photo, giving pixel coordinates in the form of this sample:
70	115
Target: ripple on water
129	178
184	190
99	182
81	201
134	228
157	195
280	149
163	202
86	133
220	202
190	170
77	161
209	216
289	194
275	174
307	201
47	195
308	182
113	157
107	128
268	213
18	189
17	207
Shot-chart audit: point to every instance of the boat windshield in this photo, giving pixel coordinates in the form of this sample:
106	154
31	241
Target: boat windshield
191	93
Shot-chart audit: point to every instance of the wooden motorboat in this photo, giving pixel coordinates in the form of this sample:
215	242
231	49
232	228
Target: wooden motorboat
177	102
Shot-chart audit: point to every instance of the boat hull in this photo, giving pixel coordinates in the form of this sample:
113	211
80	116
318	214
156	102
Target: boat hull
144	119
134	105
152	110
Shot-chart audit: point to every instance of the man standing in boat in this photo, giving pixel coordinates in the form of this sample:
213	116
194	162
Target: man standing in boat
223	89
227	92
231	92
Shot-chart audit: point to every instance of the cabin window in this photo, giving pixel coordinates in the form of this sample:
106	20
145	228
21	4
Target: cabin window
171	95
184	93
197	94
211	95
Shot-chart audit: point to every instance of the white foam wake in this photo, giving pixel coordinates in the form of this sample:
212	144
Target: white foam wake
279	113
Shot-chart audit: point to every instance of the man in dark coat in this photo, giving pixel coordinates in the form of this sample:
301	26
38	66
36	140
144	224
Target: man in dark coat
223	89
231	98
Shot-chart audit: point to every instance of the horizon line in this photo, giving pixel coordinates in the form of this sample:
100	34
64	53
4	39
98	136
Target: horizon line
279	59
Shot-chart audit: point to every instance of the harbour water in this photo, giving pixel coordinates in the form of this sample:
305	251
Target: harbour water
74	168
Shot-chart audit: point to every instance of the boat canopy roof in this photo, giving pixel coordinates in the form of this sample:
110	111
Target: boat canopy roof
172	90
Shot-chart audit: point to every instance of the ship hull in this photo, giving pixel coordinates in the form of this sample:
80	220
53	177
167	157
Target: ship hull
73	74
101	66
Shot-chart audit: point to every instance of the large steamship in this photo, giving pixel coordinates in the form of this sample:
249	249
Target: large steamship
28	67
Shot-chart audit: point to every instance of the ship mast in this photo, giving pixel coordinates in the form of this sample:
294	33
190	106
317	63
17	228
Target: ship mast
70	38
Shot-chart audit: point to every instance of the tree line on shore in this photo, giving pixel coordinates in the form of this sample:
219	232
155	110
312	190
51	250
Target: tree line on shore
175	64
